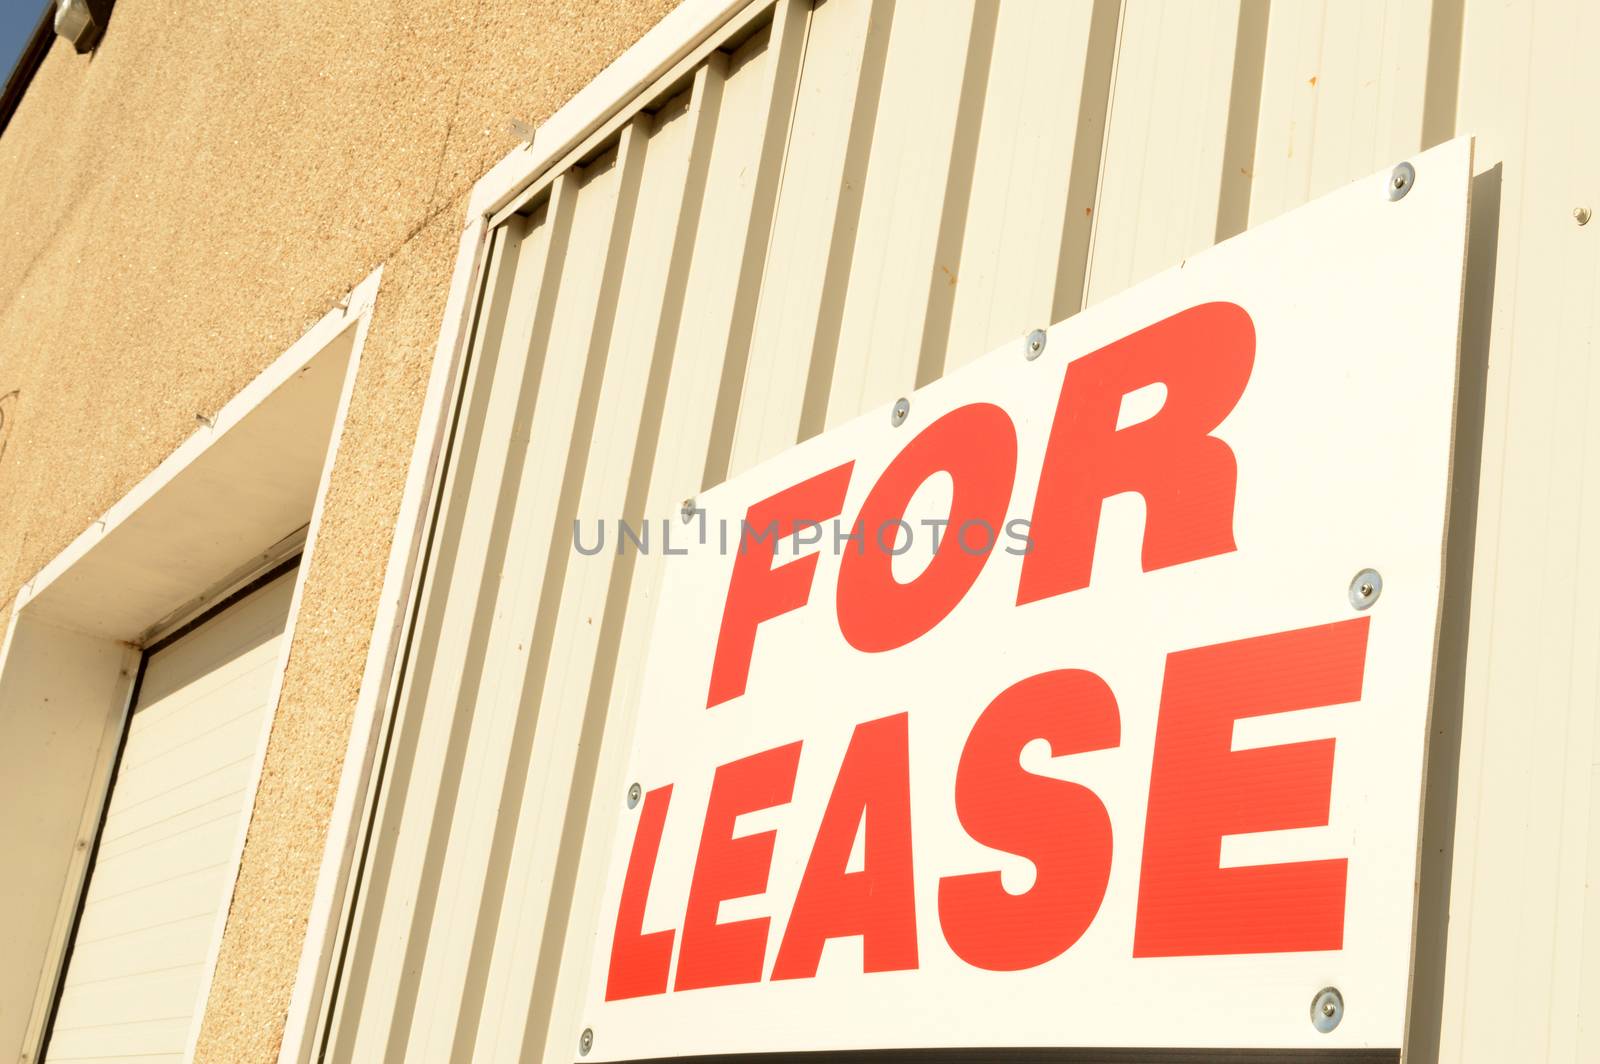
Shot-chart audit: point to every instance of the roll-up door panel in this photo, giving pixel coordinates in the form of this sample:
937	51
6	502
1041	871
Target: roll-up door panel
155	891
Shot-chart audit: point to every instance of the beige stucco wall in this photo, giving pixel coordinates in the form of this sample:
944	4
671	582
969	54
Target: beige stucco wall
177	208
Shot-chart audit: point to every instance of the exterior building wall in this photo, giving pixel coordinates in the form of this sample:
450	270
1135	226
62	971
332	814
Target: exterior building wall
178	206
175	209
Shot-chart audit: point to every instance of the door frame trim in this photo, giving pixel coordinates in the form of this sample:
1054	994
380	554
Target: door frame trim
62	664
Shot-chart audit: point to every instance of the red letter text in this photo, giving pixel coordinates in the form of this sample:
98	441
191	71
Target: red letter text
714	954
758	591
1061	827
1202	789
977	446
1187	477
639	962
878	902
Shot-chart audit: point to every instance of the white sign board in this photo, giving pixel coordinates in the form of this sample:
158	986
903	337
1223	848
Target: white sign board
1134	757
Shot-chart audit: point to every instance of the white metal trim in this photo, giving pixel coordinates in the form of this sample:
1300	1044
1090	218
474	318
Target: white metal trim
95	804
274	376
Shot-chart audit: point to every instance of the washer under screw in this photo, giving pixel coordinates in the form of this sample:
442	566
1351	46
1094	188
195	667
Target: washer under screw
635	792
1401	178
586	1041
1327	1009
687	512
1365	588
901	411
1035	344
1581	215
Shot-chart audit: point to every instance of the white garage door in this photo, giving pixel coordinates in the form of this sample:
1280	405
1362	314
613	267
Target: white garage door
170	837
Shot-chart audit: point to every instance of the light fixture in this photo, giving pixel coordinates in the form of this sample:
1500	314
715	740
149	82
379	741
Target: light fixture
82	22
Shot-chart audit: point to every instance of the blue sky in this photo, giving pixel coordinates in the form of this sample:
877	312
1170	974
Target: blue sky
17	18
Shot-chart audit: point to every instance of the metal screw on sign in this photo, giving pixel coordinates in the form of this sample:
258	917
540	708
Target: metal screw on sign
1035	344
901	411
1365	588
586	1041
1401	180
635	792
687	513
1581	215
1327	1009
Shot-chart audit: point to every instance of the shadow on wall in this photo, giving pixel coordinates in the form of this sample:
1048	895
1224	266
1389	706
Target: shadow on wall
1444	740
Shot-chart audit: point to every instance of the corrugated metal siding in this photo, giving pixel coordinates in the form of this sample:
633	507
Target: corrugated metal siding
847	201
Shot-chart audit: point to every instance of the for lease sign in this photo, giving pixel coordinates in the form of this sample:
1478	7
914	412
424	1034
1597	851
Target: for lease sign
1079	700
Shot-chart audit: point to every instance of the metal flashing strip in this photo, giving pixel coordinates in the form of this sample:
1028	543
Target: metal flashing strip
275	559
238	593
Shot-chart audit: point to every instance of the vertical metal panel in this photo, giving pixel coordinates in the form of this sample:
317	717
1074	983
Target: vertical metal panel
855	197
511	917
659	464
779	80
1017	199
1523	953
563	432
894	260
401	874
806	230
1342	95
1163	171
442	982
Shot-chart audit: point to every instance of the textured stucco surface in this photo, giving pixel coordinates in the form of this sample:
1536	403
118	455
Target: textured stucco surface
175	210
